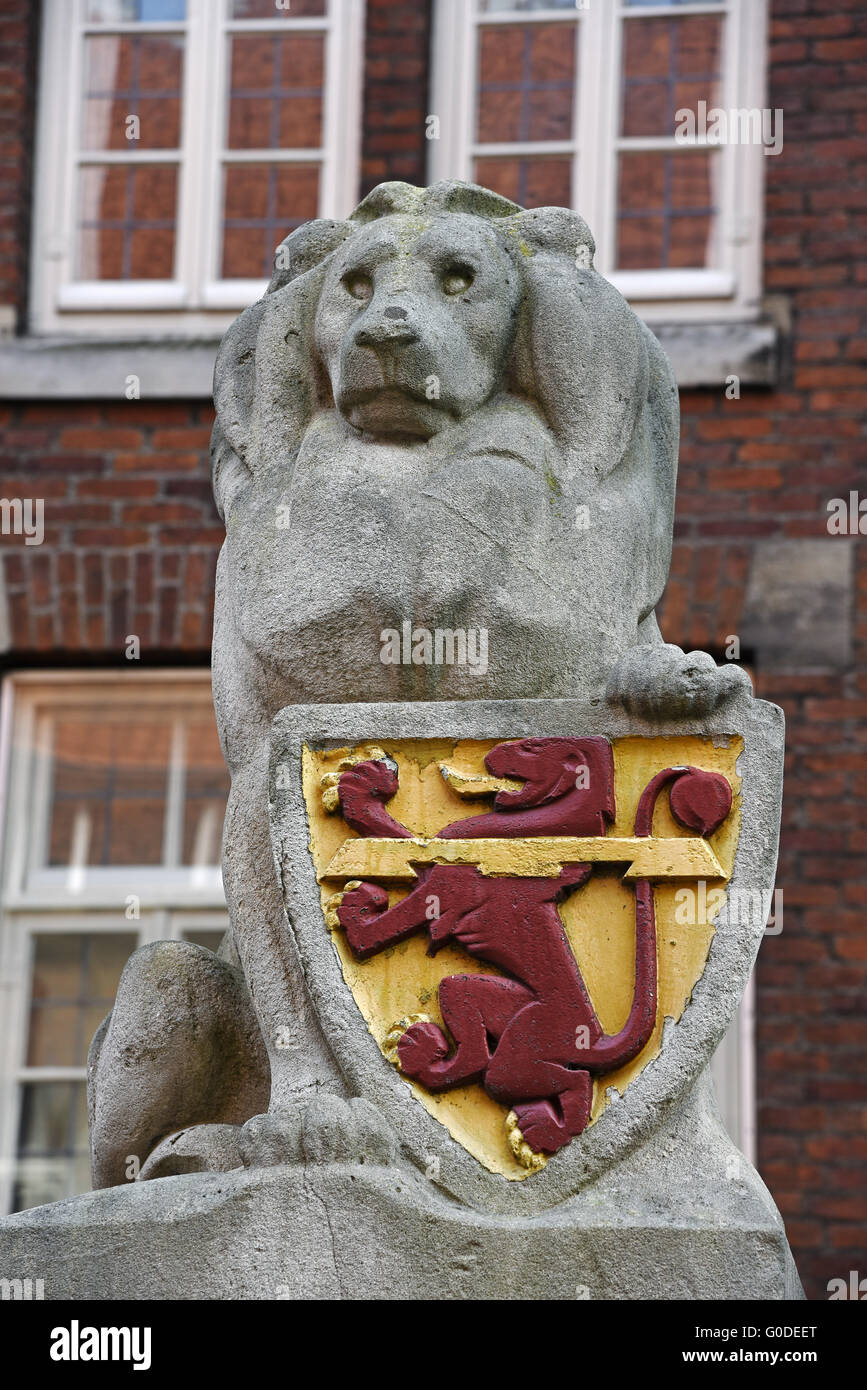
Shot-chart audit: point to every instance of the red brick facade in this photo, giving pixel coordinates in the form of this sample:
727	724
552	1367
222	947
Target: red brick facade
396	72
131	532
132	536
763	467
18	49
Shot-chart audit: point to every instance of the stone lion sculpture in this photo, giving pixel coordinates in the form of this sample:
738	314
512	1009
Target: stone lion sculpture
439	413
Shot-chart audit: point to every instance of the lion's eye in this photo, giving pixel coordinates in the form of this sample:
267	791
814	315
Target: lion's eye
457	279
359	285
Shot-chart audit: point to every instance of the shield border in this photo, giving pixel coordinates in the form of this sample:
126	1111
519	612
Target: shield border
687	1045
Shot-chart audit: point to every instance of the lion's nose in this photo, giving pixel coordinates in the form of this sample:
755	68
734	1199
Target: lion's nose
392	328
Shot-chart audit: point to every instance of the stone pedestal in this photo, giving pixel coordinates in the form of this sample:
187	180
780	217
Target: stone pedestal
364	1230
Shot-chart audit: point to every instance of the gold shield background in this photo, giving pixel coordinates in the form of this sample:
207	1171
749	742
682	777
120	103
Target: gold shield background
599	917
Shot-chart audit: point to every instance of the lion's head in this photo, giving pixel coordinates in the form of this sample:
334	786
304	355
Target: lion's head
424	305
415	322
440	411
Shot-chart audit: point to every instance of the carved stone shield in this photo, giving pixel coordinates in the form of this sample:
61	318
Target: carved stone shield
524	925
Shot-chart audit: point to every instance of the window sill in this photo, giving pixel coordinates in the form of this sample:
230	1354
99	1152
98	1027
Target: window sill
52	368
673	284
702	354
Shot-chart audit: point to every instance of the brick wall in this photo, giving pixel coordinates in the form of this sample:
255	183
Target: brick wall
18	50
133	537
131	530
397	43
756	471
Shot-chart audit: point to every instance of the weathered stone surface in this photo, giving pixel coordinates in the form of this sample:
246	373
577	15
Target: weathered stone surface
501	457
363	1230
439	414
181	1043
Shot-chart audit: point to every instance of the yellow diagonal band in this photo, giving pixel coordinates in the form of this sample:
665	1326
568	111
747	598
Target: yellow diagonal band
535	857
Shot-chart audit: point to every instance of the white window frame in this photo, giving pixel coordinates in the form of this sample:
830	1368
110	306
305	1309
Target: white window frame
167	912
197	301
16	969
732	289
27	887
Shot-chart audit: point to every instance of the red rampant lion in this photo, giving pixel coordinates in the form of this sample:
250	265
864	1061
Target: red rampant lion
530	1036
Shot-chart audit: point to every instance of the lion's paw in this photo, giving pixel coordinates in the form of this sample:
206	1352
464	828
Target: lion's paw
330	783
321	1130
346	1131
354	908
527	1156
332	904
272	1139
395	1035
665	682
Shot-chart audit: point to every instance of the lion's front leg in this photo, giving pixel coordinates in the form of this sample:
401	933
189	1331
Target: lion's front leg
362	910
663	682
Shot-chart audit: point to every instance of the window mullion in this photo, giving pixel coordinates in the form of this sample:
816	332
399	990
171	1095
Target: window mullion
724	247
334	96
453	87
588	128
43	776
15	973
173	823
341	133
748	87
68	190
610	28
212	42
189	163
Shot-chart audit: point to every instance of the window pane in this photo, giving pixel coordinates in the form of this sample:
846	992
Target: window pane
275	92
277	9
669	65
209	939
53	1038
207	788
135	11
126	228
57	966
53	1149
535	182
75	979
53	1119
127	785
132	75
106	955
666	209
637	4
109	791
526	82
262	204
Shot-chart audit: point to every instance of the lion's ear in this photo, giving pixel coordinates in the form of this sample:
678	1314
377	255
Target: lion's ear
581	352
264	376
306	247
235	378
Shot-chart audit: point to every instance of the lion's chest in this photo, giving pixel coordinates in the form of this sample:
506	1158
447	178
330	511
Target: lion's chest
365	538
